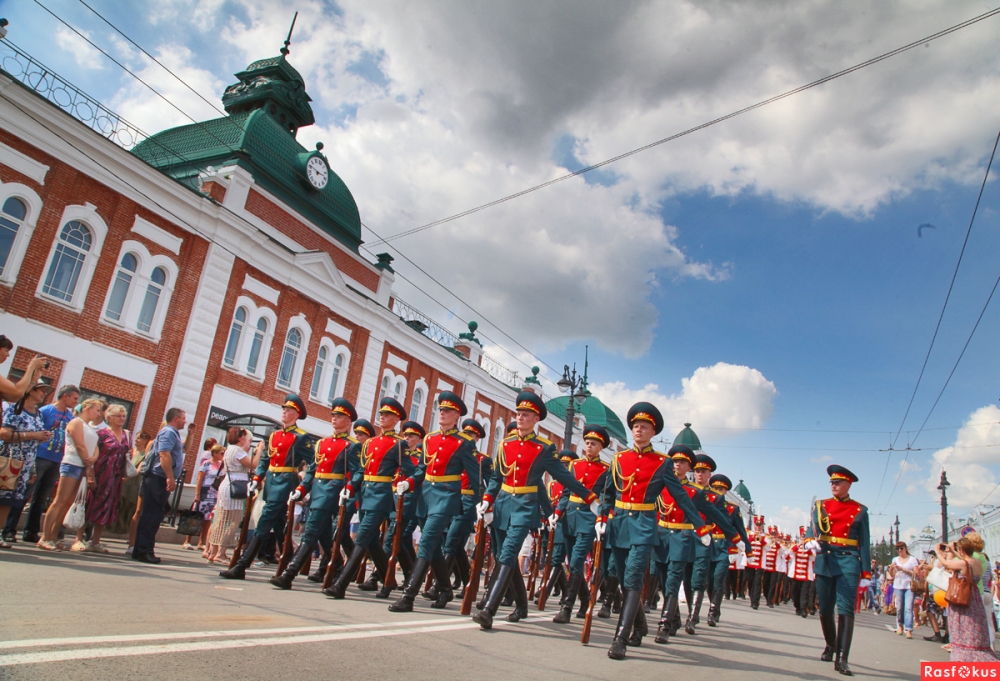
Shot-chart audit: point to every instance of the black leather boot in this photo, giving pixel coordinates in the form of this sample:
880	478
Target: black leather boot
583	592
349	571
463	566
239	570
381	563
610	593
845	632
663	632
549	588
285	579
639	629
501	576
412	588
631	605
566	607
715	609
829	635
442	573
520	599
693	615
320	572
489	587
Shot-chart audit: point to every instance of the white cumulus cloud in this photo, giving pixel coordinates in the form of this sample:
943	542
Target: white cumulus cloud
969	462
730	396
84	54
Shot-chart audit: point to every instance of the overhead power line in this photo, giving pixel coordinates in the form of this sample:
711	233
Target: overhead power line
937	328
707	124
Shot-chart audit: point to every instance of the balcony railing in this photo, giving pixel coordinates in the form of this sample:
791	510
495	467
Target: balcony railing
421	323
44	82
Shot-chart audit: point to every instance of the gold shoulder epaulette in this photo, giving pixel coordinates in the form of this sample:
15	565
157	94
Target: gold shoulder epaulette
465	436
543	440
352	439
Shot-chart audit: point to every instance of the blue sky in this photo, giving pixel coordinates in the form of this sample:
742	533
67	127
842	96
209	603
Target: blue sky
773	261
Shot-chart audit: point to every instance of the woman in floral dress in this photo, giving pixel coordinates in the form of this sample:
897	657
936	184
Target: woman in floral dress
21	432
114	446
968	628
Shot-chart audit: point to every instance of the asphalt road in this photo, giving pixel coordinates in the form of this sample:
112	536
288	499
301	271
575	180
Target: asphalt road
72	616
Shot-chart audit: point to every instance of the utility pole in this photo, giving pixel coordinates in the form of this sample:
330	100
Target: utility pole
897	528
944	505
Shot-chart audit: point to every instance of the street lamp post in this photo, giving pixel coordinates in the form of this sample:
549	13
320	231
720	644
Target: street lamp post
897	529
944	505
576	387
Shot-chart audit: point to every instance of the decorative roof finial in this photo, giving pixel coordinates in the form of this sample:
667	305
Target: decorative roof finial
288	41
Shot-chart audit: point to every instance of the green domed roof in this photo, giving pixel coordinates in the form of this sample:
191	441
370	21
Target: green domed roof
596	413
688	437
266	108
742	492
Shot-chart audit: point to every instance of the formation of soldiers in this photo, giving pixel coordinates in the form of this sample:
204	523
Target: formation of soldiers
620	534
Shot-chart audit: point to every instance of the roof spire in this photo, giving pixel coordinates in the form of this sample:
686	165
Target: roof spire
586	362
288	41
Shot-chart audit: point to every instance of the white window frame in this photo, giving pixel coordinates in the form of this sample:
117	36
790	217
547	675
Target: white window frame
147	262
391	391
87	214
297	322
319	371
254	314
20	246
326	379
421	385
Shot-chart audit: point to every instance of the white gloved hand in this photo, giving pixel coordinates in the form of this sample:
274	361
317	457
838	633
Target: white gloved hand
553	521
488	518
595	508
482	508
706	539
600	528
345	495
402	487
252	487
865	583
741	547
295	495
812	545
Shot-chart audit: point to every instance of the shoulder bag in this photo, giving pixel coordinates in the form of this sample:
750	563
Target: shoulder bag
959	589
238	489
190	522
219	477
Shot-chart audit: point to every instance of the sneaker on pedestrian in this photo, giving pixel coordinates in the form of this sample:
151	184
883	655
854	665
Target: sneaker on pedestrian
935	638
9	537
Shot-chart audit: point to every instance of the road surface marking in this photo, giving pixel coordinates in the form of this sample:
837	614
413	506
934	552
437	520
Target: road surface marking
89	653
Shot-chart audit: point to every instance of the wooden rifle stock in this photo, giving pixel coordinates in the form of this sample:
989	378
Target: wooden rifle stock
547	572
286	547
595	585
533	566
390	570
472	588
335	551
241	542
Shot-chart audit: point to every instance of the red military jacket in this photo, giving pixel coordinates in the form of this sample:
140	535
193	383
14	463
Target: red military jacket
635	471
757	542
802	556
327	451
672	517
588	472
771	556
480	457
279	447
555	491
439	447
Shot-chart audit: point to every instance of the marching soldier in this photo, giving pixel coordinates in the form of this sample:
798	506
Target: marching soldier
286	450
381	458
580	520
337	458
769	566
755	562
522	459
802	558
463	525
639	475
558	557
840	536
363	430
447	454
722	561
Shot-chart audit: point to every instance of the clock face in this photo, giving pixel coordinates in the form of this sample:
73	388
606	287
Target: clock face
317	172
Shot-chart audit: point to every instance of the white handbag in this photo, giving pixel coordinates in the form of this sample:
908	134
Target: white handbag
76	516
938	578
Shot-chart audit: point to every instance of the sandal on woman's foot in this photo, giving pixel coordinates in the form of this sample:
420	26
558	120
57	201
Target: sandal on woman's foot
5	545
78	546
187	547
47	545
97	547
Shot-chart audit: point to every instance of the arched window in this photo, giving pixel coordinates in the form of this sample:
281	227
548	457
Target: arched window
11	218
235	332
71	252
385	389
123	282
290	354
417	406
399	390
318	373
157	280
255	347
338	367
434	411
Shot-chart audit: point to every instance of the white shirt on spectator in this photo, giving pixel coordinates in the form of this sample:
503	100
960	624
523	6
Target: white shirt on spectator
902	580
